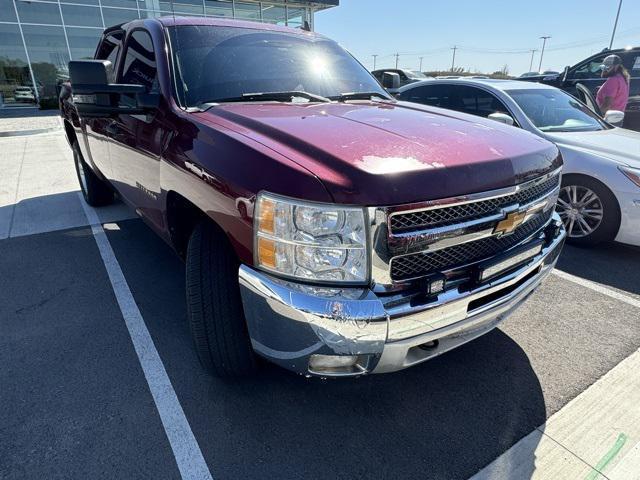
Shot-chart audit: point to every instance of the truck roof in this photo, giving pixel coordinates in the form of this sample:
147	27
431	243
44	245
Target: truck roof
171	20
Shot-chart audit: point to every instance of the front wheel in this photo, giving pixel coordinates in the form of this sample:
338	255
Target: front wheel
214	306
588	209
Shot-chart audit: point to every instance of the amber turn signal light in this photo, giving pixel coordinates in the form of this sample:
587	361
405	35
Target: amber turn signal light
267	252
266	214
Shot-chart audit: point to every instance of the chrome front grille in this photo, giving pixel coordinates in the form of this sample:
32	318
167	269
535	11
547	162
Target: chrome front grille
445	216
422	263
416	240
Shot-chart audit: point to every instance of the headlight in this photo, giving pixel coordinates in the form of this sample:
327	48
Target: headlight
632	174
311	241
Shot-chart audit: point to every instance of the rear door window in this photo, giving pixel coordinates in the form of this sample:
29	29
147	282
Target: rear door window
434	95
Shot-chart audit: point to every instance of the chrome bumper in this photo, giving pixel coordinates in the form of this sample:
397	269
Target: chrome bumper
288	322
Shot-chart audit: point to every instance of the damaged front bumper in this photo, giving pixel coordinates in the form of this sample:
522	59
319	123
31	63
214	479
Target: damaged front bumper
293	324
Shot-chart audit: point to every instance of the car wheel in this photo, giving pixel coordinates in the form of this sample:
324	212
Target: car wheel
216	316
588	209
95	191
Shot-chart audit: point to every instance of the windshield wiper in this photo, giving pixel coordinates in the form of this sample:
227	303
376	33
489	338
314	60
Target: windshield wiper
343	97
268	96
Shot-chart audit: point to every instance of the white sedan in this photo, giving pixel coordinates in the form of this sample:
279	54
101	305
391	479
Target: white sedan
600	195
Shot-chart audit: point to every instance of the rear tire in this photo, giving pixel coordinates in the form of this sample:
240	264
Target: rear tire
588	209
95	191
216	316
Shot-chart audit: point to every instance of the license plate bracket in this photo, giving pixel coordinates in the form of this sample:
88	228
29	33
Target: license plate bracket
510	260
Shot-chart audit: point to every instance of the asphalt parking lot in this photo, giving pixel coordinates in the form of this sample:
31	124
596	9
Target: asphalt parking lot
76	403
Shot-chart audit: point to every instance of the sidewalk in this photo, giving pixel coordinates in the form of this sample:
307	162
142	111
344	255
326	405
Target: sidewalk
26	121
39	189
596	436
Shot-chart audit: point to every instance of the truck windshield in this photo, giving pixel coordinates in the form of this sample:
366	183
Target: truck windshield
556	111
221	64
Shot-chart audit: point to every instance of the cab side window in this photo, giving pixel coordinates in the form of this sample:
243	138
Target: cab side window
590	69
109	49
139	64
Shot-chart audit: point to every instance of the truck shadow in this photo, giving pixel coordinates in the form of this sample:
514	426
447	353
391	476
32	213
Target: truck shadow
612	264
446	418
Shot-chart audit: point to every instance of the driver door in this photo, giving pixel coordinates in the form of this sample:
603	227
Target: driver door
587	74
585	96
136	140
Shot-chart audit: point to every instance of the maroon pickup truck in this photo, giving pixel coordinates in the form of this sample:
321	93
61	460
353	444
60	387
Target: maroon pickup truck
324	225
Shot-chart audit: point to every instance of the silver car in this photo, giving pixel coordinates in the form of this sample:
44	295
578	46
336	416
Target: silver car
600	196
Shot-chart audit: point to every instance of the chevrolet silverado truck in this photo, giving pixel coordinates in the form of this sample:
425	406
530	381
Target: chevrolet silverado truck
325	226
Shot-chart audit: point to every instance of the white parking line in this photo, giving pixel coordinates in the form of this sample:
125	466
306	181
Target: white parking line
185	447
598	288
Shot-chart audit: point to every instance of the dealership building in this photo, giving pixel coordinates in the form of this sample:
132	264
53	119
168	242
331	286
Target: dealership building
39	37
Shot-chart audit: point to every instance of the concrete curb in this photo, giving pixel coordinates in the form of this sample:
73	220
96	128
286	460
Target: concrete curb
18	133
33	131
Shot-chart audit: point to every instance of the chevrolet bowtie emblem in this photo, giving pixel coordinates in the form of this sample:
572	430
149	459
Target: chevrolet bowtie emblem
510	223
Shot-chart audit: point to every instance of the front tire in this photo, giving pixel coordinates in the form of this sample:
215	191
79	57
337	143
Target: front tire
588	209
95	191
216	316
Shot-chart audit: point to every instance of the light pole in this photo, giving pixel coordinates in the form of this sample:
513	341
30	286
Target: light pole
544	42
397	58
615	25
533	52
453	61
374	61
421	63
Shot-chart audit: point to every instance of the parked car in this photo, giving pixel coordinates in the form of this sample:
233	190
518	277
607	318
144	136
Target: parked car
325	227
600	196
587	73
24	94
406	76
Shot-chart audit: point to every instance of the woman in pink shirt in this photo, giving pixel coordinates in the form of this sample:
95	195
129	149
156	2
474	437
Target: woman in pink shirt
613	95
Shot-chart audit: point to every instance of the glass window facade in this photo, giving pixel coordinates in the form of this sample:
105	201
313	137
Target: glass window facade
39	37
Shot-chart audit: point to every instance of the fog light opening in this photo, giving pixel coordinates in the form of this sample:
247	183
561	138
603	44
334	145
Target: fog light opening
433	344
335	365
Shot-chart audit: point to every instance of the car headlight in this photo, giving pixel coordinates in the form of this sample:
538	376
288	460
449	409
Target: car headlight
311	241
632	174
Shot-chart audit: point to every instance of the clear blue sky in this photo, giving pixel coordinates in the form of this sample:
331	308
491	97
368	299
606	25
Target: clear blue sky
490	33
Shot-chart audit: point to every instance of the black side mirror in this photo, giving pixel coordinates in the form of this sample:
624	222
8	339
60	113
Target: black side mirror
390	80
94	96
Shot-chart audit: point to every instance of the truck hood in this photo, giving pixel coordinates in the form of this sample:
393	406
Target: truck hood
617	144
379	153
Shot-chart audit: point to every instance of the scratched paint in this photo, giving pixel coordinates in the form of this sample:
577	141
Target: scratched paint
610	455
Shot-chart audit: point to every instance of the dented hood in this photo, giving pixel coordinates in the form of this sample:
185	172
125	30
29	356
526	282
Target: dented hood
378	153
